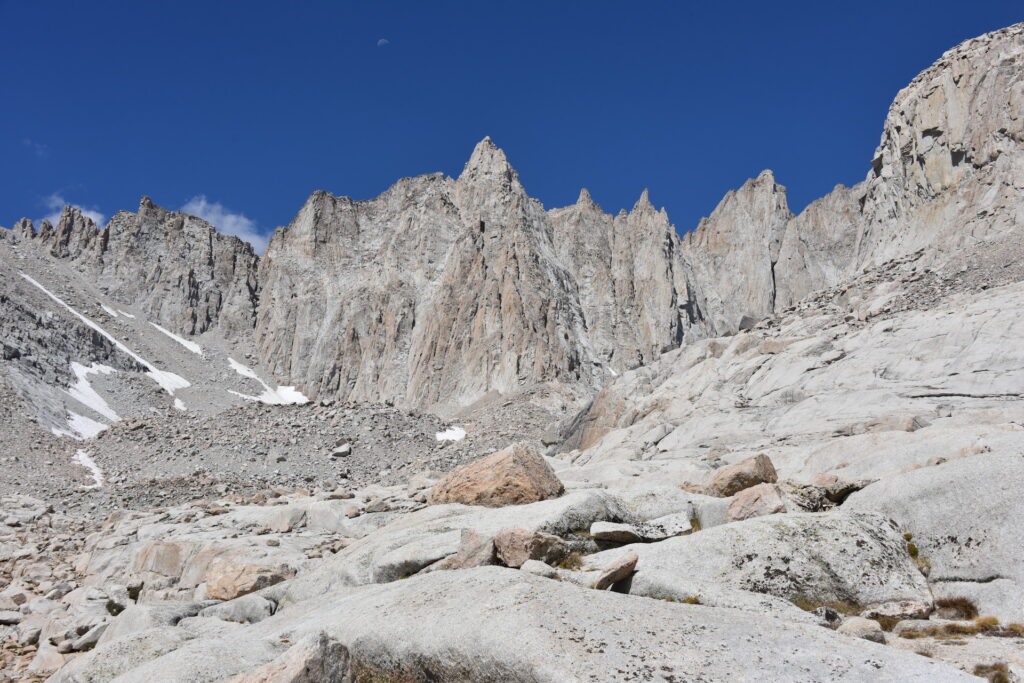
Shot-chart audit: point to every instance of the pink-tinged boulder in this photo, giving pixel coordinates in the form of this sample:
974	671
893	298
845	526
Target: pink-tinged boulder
732	479
226	580
517	546
757	501
474	551
513	476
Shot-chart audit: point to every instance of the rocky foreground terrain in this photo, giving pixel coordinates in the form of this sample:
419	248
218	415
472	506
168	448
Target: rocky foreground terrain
447	434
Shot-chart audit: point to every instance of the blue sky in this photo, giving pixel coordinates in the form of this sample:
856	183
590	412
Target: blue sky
241	110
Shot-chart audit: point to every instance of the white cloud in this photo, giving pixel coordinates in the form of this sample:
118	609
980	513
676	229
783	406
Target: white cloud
382	42
56	203
225	221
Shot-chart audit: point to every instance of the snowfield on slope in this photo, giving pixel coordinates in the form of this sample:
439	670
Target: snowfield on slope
280	396
168	381
190	345
83	459
83	392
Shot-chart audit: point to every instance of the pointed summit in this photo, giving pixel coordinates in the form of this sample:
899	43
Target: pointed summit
644	203
24	230
146	204
585	200
488	159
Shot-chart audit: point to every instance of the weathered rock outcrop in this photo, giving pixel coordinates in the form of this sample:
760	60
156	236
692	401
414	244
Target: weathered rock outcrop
819	247
440	291
732	255
428	628
966	522
629	275
947	173
809	559
175	267
944	179
435	293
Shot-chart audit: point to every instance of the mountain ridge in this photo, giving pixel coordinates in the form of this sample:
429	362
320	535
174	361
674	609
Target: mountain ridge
352	298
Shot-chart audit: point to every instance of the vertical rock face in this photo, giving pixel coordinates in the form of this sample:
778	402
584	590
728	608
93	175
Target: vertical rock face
435	293
440	291
947	172
345	283
945	179
180	270
629	276
506	312
177	268
733	253
819	247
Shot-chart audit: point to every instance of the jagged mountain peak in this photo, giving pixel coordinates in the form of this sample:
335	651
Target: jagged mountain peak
488	160
24	229
764	183
643	204
585	200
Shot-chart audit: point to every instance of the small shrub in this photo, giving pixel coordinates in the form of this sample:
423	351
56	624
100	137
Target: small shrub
888	623
961	629
1008	631
928	631
912	549
695	524
574	562
692	600
987	622
996	673
956	608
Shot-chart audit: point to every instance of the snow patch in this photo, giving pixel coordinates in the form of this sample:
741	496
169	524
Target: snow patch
190	345
83	459
179	404
168	381
83	392
126	314
110	311
451	434
280	396
82	427
243	370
